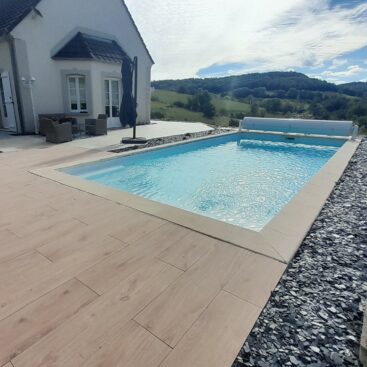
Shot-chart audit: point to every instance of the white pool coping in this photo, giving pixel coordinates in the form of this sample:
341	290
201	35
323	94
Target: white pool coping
279	239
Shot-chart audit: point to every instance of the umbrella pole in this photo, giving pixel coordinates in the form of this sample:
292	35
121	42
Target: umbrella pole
134	139
135	90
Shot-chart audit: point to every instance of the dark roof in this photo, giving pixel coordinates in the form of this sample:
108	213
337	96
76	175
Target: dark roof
12	12
84	46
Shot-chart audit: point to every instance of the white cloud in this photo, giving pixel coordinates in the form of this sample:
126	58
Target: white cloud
337	63
185	36
349	71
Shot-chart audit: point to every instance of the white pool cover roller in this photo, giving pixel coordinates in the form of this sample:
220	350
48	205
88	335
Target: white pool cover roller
300	126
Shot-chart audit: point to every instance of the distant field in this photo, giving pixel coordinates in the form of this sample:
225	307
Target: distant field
162	101
163	108
172	113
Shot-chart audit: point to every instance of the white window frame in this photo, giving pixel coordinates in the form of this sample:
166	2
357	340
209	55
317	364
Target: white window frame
77	78
110	93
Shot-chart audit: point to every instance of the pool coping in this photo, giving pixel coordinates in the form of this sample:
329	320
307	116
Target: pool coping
279	239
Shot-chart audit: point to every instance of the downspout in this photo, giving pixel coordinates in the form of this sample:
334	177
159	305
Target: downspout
16	78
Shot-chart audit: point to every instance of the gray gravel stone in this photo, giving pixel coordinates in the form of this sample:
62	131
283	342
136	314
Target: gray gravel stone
314	317
170	139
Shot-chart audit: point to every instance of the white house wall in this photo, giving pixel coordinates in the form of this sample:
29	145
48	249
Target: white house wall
45	35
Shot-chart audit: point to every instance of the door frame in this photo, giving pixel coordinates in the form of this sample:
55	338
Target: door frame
112	122
8	114
2	112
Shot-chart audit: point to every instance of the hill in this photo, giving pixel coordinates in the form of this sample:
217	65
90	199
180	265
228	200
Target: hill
277	94
358	89
271	81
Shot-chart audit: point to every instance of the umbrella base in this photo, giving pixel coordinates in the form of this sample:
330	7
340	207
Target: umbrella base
134	141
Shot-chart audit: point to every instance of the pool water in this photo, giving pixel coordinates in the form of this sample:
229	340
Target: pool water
240	179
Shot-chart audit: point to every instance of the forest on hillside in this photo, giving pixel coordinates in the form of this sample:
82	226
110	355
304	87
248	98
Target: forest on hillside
287	94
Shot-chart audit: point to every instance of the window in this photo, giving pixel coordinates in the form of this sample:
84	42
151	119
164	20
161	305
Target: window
112	97
77	93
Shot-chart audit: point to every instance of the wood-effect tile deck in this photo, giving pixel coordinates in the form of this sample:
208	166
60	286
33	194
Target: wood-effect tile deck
85	281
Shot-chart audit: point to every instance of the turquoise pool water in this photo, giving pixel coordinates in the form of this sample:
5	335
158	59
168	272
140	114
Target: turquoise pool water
239	179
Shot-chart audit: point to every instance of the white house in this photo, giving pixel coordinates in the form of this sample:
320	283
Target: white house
65	57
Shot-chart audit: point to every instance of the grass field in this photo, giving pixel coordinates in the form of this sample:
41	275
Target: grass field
163	108
162	101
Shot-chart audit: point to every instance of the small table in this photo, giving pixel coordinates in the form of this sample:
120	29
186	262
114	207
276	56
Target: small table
77	128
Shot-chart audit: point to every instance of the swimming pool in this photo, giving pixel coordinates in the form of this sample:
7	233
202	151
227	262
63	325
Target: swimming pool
241	179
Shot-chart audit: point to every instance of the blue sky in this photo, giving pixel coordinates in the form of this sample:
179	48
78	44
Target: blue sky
326	39
347	67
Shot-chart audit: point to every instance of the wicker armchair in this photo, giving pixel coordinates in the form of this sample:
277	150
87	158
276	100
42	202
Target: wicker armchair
59	133
44	121
43	125
96	126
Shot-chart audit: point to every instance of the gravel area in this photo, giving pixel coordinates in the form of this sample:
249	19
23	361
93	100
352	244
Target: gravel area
171	139
314	317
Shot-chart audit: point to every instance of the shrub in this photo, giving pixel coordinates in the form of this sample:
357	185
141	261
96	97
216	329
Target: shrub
362	121
233	123
157	115
179	104
239	115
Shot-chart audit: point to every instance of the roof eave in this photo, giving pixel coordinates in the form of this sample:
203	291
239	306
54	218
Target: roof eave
72	58
85	59
20	20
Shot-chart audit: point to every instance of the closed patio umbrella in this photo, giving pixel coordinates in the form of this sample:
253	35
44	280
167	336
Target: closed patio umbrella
128	107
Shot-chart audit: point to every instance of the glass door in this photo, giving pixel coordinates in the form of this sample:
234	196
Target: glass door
112	97
7	102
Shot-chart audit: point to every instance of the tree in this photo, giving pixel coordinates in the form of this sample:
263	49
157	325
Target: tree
273	105
242	92
280	93
360	109
208	110
181	89
259	92
287	107
335	103
292	93
362	121
201	102
318	111
254	109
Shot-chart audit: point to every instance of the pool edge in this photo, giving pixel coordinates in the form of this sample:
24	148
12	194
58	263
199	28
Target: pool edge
279	239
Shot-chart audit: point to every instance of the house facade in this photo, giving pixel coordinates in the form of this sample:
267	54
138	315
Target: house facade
65	57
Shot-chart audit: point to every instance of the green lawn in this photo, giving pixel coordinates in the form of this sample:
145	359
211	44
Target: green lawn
162	101
163	104
228	106
172	113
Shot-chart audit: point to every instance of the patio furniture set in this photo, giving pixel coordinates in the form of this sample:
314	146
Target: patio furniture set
59	128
